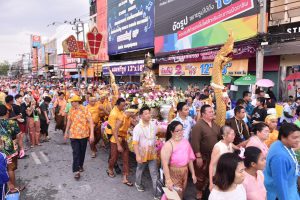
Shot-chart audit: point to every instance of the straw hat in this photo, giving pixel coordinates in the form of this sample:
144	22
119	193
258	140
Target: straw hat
75	98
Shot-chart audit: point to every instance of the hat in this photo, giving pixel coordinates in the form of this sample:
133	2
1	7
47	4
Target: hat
271	117
267	96
93	99
75	88
75	98
131	110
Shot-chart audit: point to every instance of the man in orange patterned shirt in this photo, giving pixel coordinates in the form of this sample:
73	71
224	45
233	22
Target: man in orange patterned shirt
81	127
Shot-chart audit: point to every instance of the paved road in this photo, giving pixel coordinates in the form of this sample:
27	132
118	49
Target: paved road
48	176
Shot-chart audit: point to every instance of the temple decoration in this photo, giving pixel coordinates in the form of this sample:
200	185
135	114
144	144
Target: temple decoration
222	58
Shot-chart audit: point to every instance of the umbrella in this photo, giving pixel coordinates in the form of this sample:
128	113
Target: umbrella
245	80
265	83
226	79
293	76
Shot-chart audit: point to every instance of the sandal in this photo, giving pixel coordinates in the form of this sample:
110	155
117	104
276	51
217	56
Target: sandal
39	144
93	155
77	175
110	174
129	184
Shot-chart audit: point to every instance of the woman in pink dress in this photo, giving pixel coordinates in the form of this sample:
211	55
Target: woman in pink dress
261	134
177	158
254	162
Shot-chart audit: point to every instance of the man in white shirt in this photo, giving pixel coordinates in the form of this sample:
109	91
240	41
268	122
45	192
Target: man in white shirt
184	118
144	139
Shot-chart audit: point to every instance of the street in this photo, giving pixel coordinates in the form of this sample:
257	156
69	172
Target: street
47	175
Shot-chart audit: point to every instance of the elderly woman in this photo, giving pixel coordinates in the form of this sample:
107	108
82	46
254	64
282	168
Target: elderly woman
59	110
223	146
271	121
177	158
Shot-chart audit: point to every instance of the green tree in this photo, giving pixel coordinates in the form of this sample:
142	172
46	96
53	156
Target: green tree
4	67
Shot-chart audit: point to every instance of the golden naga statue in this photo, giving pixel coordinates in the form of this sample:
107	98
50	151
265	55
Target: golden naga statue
114	87
221	59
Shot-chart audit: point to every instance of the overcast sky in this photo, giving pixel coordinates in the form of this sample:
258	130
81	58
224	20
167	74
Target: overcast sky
20	18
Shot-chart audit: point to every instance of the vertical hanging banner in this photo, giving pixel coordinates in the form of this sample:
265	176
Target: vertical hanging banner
102	29
130	25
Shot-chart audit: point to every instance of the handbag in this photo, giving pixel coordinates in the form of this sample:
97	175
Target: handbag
12	196
160	183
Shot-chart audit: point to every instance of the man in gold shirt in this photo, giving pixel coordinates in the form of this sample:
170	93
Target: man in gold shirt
94	109
118	125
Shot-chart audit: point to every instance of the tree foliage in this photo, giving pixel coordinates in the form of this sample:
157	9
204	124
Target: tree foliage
4	67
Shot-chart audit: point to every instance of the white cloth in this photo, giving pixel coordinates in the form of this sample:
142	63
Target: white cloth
145	135
238	194
286	108
223	148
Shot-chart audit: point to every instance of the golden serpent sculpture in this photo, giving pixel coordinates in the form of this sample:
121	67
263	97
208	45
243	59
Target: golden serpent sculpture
221	59
114	87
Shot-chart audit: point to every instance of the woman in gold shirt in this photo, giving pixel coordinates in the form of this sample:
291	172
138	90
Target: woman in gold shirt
271	121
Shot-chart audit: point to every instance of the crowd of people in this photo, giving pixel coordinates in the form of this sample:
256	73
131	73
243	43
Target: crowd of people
253	156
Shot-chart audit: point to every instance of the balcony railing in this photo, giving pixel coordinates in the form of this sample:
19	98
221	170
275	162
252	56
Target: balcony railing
284	11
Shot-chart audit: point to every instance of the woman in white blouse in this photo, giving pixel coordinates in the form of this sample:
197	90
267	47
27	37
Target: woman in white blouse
229	178
223	146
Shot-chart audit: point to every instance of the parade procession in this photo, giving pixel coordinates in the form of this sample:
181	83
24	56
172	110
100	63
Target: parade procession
150	99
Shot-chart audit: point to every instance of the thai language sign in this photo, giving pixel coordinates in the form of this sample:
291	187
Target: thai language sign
124	70
239	53
196	23
130	25
234	68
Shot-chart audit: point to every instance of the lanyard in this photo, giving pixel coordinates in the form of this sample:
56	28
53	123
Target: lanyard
293	156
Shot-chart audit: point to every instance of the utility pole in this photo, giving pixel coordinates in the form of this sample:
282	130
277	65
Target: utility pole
262	31
77	37
85	67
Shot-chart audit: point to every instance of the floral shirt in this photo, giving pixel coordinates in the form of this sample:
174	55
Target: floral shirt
145	137
80	126
8	134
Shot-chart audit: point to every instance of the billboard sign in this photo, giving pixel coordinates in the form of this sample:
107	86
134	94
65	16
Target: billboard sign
35	41
94	39
130	25
76	48
233	68
198	23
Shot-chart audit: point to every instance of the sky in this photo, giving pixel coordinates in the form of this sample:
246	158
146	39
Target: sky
21	18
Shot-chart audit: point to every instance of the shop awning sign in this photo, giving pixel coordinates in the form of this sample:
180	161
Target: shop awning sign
234	68
124	70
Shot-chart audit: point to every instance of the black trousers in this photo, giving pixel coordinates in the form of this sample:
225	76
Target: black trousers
79	148
44	127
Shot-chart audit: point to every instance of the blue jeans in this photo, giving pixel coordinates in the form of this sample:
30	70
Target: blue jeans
2	191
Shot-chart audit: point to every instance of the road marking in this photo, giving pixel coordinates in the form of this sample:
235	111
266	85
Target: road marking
46	159
35	158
